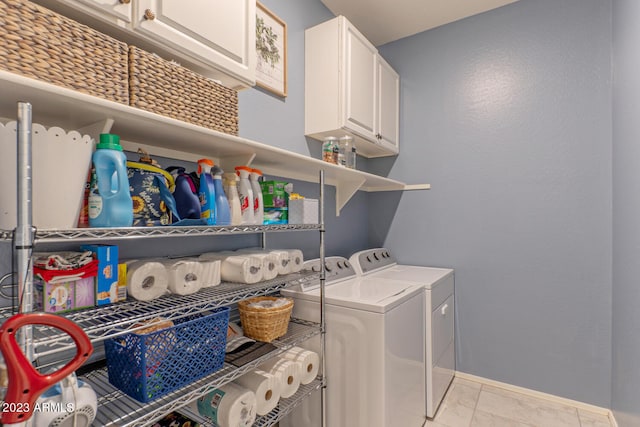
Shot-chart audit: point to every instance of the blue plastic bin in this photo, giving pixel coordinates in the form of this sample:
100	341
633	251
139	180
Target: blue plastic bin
148	366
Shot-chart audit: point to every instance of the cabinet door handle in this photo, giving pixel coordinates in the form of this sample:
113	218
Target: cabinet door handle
125	1
444	309
149	15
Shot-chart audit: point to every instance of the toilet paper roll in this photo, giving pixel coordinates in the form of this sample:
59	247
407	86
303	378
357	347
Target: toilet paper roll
269	261
146	280
296	260
265	386
309	362
228	406
185	276
283	261
287	373
211	273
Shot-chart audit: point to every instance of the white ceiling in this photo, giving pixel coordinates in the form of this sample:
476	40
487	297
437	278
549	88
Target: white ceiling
383	21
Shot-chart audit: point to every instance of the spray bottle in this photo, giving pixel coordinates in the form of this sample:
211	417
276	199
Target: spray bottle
207	192
246	195
222	204
258	204
231	188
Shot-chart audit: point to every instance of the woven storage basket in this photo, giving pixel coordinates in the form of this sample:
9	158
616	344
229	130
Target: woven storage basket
171	90
264	324
39	43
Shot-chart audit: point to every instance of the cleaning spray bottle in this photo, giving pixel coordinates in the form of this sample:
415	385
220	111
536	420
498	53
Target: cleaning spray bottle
258	204
231	189
246	195
222	204
207	192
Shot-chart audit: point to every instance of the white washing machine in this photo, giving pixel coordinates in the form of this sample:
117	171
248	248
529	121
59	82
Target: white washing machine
439	314
374	349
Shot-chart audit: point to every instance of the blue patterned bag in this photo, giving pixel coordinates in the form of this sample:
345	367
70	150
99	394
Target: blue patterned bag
151	187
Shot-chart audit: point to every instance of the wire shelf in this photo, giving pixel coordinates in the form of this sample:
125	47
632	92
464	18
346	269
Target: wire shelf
118	409
100	323
285	406
92	234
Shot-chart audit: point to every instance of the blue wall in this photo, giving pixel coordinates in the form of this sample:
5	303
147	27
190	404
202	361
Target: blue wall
626	213
508	115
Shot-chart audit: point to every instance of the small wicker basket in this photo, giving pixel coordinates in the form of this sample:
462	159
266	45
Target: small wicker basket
264	324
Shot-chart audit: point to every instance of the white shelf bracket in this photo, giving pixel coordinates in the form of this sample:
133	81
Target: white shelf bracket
345	191
229	163
95	129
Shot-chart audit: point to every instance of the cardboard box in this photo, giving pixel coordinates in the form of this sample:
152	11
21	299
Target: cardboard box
274	194
122	282
107	279
64	296
303	211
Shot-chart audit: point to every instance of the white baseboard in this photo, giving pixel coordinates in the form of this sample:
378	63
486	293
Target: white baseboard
540	395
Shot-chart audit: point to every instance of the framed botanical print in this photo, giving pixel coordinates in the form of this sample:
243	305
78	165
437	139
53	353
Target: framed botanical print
271	50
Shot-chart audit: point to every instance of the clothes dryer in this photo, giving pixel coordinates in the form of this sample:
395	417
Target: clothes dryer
374	349
439	314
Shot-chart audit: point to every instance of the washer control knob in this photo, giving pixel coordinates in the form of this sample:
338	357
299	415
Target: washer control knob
375	255
368	258
347	265
327	266
315	268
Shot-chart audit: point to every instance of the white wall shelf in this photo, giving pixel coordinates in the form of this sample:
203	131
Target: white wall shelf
167	137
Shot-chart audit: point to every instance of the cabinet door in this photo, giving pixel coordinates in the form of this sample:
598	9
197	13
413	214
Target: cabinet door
360	84
388	103
218	33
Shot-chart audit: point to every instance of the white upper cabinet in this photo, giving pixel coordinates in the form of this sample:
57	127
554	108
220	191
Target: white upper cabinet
218	33
350	89
388	104
216	38
115	12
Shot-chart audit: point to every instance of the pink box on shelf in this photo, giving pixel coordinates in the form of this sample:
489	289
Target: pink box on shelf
64	296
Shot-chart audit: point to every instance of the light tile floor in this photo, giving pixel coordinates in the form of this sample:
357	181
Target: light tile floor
473	404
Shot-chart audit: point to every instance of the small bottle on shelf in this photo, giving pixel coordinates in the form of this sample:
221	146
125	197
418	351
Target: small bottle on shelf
330	150
348	152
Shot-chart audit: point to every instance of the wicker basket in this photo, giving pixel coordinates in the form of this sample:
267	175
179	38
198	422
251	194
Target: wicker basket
264	324
171	90
39	43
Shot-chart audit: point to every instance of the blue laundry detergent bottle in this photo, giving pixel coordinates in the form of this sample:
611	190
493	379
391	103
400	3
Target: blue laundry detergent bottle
185	193
207	192
110	203
222	204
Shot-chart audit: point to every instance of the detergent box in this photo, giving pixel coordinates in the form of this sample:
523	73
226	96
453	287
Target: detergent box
63	296
107	278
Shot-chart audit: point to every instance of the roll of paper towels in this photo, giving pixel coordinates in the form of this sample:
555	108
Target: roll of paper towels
287	373
238	268
265	386
269	261
185	276
211	272
309	362
146	280
296	260
283	261
228	406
